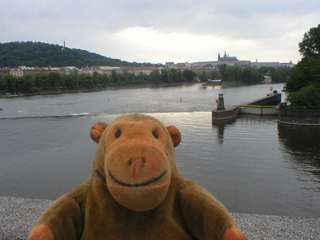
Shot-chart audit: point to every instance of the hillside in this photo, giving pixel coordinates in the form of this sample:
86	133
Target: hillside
39	54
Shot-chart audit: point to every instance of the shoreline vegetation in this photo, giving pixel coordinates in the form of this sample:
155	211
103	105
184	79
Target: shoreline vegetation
75	81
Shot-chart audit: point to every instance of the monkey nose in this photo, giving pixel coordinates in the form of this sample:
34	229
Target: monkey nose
137	161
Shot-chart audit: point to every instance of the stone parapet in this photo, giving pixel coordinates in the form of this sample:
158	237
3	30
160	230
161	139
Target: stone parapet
299	115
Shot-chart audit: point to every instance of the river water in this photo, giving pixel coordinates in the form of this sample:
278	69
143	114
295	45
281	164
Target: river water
251	164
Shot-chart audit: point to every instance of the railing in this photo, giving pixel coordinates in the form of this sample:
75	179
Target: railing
258	106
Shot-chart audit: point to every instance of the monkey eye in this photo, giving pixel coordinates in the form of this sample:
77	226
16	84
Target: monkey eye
118	133
155	134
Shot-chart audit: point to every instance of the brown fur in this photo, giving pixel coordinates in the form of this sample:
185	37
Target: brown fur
136	192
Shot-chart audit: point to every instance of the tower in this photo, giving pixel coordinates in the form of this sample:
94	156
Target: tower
220	101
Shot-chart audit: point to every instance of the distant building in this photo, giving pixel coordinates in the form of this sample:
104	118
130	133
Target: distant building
170	64
102	70
267	79
257	64
137	71
4	71
22	70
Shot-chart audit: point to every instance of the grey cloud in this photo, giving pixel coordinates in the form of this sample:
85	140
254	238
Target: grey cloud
83	22
227	18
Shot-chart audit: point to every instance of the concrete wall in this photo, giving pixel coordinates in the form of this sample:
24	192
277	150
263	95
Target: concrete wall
274	99
224	115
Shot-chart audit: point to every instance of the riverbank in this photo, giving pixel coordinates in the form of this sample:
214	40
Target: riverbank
18	215
81	90
228	84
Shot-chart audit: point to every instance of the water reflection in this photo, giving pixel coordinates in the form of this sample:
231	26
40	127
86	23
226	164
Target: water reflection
302	143
258	118
246	118
220	126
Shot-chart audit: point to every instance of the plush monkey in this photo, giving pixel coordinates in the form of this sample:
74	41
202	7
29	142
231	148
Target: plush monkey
136	191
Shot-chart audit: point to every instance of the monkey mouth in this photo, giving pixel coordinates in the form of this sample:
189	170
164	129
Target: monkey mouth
140	184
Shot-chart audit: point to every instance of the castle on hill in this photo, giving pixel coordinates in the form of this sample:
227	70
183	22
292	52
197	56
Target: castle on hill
230	61
226	58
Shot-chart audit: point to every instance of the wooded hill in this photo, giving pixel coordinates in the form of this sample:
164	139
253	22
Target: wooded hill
37	54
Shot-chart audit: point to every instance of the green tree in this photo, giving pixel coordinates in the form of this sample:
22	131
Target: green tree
155	77
96	79
165	77
143	78
215	74
306	96
203	77
85	81
32	54
234	73
9	83
266	71
54	79
223	72
256	75
132	79
281	75
247	76
41	80
310	45
114	78
304	73
189	76
303	85
70	81
179	76
28	84
104	80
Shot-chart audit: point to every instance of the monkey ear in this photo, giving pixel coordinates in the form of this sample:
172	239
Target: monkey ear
97	130
175	135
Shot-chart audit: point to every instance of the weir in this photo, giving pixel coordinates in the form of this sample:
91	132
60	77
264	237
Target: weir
268	105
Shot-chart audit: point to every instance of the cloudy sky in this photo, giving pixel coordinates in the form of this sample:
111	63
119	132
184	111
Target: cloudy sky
160	31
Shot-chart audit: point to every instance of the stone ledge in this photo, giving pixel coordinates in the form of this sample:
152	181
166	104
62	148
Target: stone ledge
18	215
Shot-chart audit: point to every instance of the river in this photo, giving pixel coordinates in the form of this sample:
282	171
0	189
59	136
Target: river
251	164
